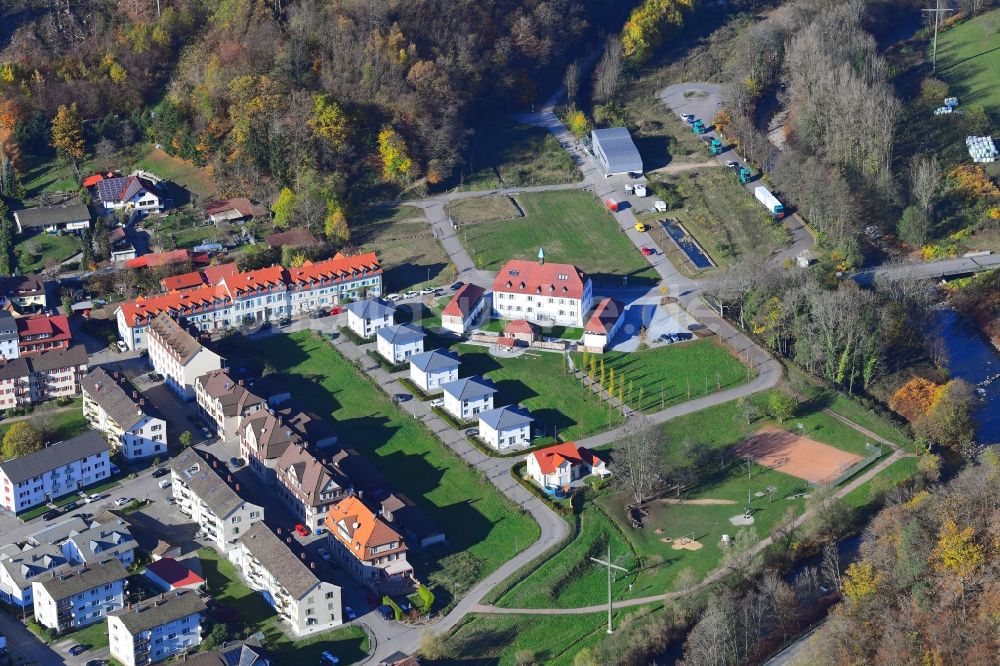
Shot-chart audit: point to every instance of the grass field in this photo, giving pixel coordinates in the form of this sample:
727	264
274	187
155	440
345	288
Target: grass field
60	425
519	155
411	256
969	60
721	215
350	644
538	382
496	640
483	209
184	230
37	251
682	372
93	637
571	226
893	475
195	179
475	516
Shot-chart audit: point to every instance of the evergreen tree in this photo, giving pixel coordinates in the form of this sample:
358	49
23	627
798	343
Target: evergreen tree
6	242
8	178
87	256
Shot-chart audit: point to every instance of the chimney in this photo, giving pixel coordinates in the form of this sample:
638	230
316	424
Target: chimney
142	401
135	395
215	464
312	565
288	540
237	487
302	556
241	382
279	531
229	478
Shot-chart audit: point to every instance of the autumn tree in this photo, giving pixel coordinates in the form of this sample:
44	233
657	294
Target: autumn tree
329	121
22	439
648	24
396	162
577	122
914	398
67	135
949	420
335	225
284	208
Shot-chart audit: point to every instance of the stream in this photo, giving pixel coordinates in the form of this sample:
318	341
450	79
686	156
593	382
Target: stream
971	357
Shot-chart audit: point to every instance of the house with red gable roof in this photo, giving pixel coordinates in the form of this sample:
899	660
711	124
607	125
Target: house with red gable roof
209	275
170	258
169	574
543	293
465	309
560	465
605	321
43	333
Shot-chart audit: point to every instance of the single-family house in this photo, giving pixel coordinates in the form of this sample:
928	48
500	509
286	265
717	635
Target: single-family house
26	293
43	333
560	465
370	550
128	192
239	209
431	369
466	310
367	317
398	343
57	470
157	628
544	293
121	246
71	597
223	402
177	356
604	322
206	492
505	427
278	567
467	397
51	219
117	410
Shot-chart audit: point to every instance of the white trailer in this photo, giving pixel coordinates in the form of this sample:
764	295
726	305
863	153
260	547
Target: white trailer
771	203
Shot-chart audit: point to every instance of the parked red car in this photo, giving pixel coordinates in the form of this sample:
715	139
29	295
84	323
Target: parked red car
648	251
336	310
302	530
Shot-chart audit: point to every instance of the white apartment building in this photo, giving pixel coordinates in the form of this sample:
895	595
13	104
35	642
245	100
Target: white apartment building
157	628
257	296
467	397
20	568
546	294
9	348
57	470
287	582
104	540
224	402
117	410
366	317
206	493
504	427
177	356
432	369
71	597
398	343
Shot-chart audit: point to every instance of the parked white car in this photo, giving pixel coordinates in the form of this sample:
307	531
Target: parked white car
165	483
122	501
393	297
427	290
410	294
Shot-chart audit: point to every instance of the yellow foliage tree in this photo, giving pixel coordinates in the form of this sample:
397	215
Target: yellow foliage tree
914	398
329	121
117	73
396	163
298	259
284	208
957	551
335	225
644	30
861	581
67	133
578	123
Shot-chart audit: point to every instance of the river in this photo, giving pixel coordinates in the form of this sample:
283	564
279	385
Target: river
971	357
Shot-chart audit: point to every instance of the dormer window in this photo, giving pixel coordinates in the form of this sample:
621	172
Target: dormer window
562	276
522	285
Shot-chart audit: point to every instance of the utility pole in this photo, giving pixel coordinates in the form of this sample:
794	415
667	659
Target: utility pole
937	16
607	563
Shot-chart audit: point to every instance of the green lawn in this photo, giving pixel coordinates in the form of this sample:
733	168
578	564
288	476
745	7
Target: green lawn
564	332
411	256
195	179
56	426
721	214
571	226
480	523
94	636
538	382
519	155
349	643
681	372
483	209
496	640
37	251
893	475
183	230
969	60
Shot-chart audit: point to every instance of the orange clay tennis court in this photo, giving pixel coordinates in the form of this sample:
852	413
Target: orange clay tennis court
796	456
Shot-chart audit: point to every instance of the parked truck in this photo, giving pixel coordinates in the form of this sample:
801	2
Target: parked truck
745	175
714	145
698	127
771	203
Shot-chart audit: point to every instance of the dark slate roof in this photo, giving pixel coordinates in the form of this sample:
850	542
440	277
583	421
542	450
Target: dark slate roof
401	334
113	398
371	309
58	532
14	368
59	358
31	218
30	563
8	327
434	361
249	653
502	418
195	469
65	581
468	388
280	561
160	610
88	444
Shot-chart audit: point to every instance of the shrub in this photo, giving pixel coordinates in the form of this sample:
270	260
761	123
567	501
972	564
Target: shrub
426	598
781	406
397	612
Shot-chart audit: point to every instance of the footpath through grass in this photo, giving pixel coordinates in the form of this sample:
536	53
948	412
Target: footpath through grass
412	257
349	643
571	226
539	383
480	523
682	372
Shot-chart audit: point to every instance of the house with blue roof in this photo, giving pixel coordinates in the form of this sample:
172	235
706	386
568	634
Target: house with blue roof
366	317
467	397
505	427
430	370
398	343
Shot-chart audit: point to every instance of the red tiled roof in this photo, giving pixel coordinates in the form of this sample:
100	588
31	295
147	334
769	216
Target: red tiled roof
367	531
182	281
197	299
90	181
549	459
607	312
519	326
215	274
464	301
210	275
157	259
531	277
336	268
173	573
262	278
242	205
54	326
